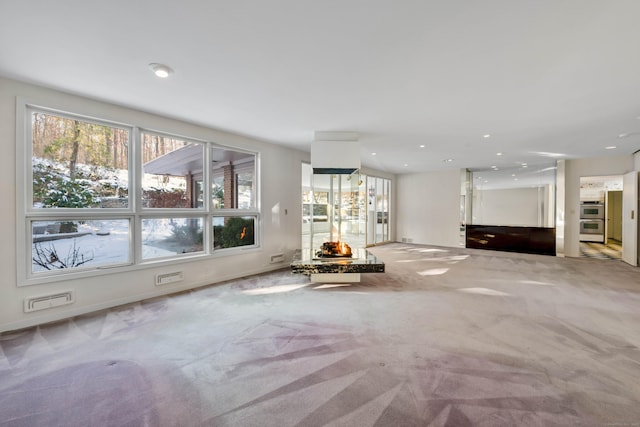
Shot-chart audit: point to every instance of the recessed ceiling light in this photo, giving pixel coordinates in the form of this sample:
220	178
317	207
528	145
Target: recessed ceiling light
498	154
422	146
524	165
494	167
161	70
373	154
611	147
448	160
406	164
513	174
486	136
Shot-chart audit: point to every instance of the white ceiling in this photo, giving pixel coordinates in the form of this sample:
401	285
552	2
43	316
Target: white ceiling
546	79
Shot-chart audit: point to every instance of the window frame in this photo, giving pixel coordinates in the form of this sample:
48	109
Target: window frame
135	213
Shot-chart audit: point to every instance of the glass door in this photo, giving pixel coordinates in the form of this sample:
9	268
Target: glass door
378	210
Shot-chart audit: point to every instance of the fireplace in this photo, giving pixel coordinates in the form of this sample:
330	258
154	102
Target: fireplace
334	250
336	267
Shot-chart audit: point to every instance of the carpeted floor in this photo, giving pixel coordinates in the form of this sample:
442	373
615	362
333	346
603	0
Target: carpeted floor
446	337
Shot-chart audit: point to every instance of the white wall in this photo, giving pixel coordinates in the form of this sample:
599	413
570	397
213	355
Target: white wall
574	169
280	191
428	208
511	206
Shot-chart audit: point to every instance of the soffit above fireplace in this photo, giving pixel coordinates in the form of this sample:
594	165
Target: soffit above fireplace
335	153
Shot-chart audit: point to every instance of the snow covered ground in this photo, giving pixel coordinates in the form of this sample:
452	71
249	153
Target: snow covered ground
106	249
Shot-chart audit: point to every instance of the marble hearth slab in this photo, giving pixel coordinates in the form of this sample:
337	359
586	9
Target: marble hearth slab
362	262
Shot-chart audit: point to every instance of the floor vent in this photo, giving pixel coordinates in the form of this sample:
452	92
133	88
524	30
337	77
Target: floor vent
47	301
165	279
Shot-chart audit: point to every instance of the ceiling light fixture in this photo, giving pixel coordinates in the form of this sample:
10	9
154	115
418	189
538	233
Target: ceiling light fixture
373	154
448	160
161	70
611	147
486	136
628	134
498	154
422	146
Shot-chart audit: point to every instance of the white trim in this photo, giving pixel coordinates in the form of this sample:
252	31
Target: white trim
22	172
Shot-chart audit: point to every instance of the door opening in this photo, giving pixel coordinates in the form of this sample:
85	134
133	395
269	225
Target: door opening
601	217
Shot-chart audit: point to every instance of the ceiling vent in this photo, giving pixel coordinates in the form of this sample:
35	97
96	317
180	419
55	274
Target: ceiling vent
335	153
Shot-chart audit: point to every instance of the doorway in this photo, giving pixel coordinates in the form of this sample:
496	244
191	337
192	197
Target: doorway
601	217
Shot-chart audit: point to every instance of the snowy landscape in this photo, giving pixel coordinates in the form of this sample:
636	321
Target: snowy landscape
107	242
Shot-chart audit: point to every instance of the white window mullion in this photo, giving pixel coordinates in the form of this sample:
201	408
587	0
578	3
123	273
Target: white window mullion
135	194
207	186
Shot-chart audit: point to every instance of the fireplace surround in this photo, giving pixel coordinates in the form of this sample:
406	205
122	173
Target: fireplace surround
340	269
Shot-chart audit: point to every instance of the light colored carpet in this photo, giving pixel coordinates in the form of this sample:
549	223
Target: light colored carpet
446	337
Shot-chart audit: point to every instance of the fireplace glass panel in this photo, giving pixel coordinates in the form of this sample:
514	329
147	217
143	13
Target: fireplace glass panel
333	209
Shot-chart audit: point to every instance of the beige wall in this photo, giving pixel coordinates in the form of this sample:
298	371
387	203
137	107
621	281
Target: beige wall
512	206
428	208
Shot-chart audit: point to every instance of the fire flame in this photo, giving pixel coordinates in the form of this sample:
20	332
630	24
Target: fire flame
335	248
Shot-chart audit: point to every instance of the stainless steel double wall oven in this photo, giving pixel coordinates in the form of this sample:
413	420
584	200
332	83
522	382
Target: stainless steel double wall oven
592	221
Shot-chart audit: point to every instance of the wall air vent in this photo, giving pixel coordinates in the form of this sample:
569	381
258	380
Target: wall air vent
276	258
47	301
165	279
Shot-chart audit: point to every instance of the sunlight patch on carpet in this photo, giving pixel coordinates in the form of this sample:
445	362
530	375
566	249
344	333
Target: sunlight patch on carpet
274	289
484	291
433	272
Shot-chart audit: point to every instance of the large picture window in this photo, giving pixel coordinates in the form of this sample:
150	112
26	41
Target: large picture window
233	198
72	243
77	163
233	175
170	170
88	205
166	237
78	195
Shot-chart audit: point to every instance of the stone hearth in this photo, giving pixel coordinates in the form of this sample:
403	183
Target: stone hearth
337	269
